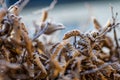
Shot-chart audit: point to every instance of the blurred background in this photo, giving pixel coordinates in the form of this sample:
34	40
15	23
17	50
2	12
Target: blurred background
74	14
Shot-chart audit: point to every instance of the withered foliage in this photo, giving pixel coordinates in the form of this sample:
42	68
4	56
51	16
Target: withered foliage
89	56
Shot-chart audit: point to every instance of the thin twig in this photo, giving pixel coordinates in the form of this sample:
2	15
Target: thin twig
97	69
23	57
40	32
115	37
74	43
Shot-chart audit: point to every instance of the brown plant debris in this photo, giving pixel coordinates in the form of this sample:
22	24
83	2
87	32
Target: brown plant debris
89	56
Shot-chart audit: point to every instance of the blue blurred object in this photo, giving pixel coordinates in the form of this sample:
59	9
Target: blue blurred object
35	3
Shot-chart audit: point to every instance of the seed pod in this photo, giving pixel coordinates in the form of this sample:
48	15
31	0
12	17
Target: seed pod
17	7
3	12
28	43
71	34
16	33
39	63
44	16
14	10
108	24
96	24
59	48
23	28
53	27
56	67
